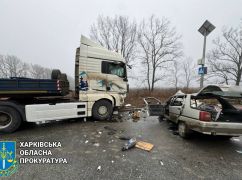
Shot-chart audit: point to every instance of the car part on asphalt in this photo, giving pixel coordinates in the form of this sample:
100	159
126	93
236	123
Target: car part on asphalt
130	144
144	145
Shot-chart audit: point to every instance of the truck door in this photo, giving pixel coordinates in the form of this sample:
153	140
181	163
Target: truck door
175	108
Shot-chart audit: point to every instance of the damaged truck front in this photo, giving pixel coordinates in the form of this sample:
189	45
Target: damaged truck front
209	111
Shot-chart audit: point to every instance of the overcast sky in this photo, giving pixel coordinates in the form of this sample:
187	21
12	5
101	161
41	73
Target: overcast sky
47	32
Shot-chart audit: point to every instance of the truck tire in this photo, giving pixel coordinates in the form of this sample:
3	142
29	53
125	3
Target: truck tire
183	130
10	119
55	74
102	110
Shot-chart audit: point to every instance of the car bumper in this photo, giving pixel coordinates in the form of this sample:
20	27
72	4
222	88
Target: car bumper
216	128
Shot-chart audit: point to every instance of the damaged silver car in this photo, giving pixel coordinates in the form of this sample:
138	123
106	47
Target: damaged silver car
214	110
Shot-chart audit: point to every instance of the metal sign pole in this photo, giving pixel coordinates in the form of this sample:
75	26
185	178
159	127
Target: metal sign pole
203	60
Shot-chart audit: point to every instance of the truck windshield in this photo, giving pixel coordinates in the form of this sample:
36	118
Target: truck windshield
116	69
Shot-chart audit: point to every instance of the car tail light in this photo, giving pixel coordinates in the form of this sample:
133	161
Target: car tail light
205	116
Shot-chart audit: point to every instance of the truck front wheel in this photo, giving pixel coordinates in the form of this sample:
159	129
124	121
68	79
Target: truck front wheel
102	110
10	119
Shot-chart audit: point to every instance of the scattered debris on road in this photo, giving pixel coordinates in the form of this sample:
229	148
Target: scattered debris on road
130	144
238	151
136	116
161	163
86	141
236	139
123	137
110	141
96	144
99	168
144	145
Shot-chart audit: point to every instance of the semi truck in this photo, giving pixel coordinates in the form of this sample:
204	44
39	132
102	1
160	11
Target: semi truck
101	86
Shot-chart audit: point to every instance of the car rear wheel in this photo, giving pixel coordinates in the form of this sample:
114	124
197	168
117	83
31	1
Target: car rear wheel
183	130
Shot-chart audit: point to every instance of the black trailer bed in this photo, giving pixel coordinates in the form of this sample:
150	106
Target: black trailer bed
32	87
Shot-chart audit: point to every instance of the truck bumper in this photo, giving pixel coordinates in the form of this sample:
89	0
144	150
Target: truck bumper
215	128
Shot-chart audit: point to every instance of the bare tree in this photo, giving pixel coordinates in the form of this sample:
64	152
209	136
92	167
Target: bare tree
39	72
159	45
226	58
189	73
174	74
12	66
118	34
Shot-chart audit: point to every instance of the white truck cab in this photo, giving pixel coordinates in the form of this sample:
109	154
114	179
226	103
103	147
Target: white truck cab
101	78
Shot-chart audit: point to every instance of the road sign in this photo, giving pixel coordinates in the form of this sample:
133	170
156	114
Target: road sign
202	70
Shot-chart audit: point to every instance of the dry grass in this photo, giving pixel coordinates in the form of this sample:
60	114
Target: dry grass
135	96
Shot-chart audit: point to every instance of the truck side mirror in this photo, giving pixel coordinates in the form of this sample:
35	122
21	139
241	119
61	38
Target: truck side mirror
125	79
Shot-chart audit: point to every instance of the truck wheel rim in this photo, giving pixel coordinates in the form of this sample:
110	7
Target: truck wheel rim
5	119
102	110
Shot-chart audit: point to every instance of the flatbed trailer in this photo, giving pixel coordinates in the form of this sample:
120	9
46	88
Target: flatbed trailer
14	87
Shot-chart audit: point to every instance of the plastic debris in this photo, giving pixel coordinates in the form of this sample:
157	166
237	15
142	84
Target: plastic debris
112	161
110	141
130	144
144	145
238	151
86	141
161	163
96	144
104	150
236	139
99	168
99	132
128	105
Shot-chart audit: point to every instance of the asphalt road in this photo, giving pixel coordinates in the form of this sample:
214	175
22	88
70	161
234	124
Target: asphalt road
89	145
